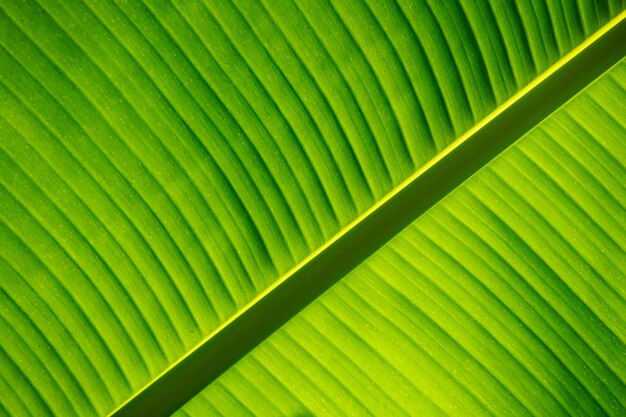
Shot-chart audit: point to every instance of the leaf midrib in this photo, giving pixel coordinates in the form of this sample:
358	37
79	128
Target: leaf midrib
404	204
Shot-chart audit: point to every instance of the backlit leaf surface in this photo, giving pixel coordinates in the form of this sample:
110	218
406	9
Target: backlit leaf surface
162	163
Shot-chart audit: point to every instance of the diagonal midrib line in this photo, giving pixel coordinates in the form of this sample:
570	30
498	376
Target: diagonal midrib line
413	197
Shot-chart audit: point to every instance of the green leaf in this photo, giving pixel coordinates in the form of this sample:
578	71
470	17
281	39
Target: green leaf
507	298
166	166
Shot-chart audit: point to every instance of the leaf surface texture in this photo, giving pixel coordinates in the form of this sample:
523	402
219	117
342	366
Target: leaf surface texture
162	163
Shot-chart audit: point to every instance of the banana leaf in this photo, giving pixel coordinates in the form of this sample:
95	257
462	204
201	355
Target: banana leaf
178	179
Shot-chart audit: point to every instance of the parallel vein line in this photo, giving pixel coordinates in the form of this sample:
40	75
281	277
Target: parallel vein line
136	229
530	307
